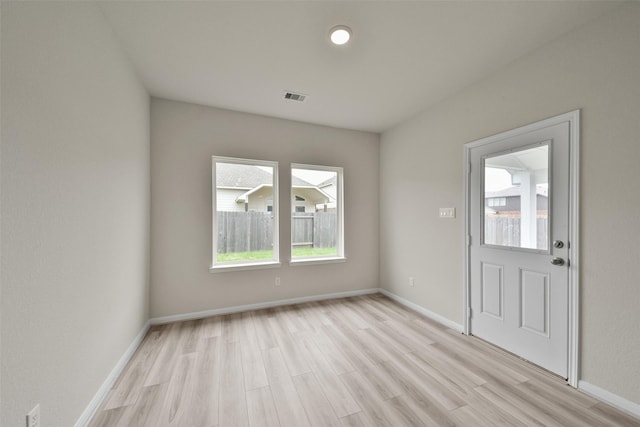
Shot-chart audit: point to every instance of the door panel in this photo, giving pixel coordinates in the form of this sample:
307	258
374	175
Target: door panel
492	296
518	204
534	291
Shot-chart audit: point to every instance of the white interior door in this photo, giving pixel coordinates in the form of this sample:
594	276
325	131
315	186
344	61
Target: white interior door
518	253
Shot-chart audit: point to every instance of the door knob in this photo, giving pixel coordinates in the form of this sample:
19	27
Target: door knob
557	261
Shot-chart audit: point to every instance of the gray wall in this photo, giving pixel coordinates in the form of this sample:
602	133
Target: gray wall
183	139
75	208
595	68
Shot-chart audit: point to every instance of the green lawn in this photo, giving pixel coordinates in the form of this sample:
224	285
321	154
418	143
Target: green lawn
311	252
245	256
265	255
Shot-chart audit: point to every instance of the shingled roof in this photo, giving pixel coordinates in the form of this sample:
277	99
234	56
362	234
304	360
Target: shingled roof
515	191
247	176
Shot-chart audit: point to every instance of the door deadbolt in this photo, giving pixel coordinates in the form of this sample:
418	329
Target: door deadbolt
558	244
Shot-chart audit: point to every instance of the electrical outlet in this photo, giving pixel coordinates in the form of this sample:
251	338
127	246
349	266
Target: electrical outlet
411	282
277	281
33	417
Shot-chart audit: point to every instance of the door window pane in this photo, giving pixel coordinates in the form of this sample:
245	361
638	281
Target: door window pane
516	198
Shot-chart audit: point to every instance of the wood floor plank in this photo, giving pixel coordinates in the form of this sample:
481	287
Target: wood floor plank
231	326
285	397
528	404
318	312
147	410
264	333
355	420
194	337
295	319
494	399
316	405
337	394
211	327
614	416
349	315
351	351
333	353
206	397
390	339
423	383
180	392
255	375
470	416
382	381
430	401
457	371
160	370
109	417
361	309
292	352
554	408
566	395
232	400
262	411
127	389
409	412
442	378
374	413
362	361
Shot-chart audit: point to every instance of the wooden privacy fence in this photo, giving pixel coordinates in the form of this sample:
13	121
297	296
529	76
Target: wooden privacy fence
314	229
253	231
244	231
505	231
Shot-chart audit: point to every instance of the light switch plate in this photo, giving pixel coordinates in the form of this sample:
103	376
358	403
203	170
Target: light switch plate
447	212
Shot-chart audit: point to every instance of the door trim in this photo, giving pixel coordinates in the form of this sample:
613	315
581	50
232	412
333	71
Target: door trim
573	118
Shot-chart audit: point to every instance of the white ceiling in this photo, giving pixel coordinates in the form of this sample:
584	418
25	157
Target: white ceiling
403	57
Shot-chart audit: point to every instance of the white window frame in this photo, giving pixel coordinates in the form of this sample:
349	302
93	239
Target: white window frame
245	265
340	255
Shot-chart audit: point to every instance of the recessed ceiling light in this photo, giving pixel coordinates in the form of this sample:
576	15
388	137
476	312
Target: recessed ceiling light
340	34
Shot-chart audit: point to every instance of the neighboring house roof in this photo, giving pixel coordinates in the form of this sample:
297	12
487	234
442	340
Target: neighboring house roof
515	192
331	181
241	176
247	177
299	182
311	192
314	193
253	179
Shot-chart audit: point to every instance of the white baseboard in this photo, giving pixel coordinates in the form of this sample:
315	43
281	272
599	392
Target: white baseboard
614	400
106	386
260	305
428	313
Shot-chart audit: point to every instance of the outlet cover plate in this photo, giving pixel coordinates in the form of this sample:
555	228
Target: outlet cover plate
447	212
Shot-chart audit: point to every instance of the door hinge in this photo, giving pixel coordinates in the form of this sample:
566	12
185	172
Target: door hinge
468	239
469	167
469	312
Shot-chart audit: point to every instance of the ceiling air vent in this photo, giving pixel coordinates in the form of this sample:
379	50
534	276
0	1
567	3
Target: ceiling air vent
292	96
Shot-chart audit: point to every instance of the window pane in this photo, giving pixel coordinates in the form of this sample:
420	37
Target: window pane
244	219
516	199
315	212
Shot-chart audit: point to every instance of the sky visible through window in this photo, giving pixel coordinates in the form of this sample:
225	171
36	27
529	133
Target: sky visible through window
496	179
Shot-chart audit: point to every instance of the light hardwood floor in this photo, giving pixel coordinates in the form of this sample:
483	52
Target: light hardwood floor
362	361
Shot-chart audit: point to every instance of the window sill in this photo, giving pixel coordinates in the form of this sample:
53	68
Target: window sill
223	268
310	261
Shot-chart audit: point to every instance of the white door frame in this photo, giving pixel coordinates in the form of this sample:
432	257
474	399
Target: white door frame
573	118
